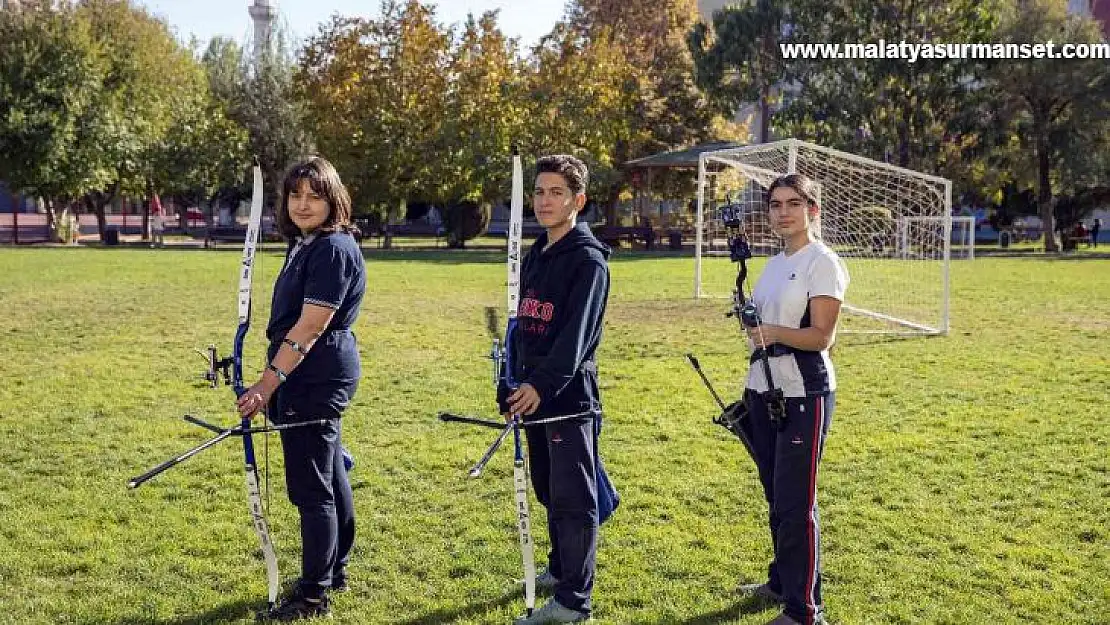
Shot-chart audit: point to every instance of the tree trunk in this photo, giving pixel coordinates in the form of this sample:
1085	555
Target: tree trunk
1044	188
904	137
765	71
612	205
15	223
764	113
612	198
95	203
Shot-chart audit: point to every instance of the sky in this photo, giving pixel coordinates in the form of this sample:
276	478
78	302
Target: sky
527	19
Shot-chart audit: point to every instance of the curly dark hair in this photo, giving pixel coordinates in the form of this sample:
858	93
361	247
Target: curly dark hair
573	170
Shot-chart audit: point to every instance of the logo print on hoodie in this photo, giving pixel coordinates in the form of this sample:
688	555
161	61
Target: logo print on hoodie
535	309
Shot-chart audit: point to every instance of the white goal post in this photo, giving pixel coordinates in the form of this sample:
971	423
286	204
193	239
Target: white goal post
909	234
892	228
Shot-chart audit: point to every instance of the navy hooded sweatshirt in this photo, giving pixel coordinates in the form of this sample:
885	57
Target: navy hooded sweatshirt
563	294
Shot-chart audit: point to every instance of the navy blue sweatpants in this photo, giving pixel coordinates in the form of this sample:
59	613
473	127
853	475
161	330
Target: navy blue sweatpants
317	482
562	466
787	461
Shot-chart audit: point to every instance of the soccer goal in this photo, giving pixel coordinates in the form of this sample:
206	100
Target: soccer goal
892	228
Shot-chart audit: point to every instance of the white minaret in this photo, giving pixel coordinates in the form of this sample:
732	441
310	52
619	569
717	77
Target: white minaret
262	13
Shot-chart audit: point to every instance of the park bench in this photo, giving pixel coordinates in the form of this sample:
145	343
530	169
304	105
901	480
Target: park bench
613	235
417	229
225	234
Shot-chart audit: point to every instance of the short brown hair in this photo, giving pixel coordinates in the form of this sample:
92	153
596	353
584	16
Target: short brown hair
324	180
573	170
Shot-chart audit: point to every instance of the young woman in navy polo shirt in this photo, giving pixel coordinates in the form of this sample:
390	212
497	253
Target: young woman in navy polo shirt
313	373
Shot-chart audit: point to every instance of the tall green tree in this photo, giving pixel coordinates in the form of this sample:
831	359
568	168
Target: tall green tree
275	119
375	92
582	93
485	115
1059	107
737	60
203	156
50	74
485	112
147	73
665	108
887	108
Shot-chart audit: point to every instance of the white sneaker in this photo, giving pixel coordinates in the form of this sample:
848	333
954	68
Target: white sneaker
552	612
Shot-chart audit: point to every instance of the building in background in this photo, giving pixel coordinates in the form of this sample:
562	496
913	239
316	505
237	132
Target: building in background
262	13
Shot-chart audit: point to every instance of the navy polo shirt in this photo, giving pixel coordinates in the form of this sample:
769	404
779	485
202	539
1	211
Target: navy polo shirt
325	270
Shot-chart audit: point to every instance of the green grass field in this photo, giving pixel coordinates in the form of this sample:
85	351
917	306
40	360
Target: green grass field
965	478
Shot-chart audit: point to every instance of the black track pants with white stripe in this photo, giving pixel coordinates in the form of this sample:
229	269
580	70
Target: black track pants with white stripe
788	460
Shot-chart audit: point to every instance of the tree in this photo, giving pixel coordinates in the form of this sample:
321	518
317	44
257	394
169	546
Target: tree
660	105
1055	103
147	71
739	61
376	94
464	221
581	97
485	113
908	113
50	72
217	140
203	156
275	119
259	97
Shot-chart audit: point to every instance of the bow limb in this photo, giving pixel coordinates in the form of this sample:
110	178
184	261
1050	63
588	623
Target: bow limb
254	496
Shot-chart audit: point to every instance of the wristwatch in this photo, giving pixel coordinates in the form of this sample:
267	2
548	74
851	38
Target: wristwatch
281	375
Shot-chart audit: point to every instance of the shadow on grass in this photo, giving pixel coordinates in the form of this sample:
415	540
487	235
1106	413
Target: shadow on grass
233	611
441	256
848	341
746	605
450	615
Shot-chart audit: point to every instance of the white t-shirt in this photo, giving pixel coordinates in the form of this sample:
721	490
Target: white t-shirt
782	297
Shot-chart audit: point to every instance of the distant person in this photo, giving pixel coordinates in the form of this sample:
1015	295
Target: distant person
1079	234
1095	227
159	226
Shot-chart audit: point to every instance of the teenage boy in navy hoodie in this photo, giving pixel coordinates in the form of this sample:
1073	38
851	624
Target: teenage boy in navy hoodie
564	289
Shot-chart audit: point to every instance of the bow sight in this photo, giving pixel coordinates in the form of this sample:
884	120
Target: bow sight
739	251
744	309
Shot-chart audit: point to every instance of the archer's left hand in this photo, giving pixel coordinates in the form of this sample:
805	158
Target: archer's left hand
524	400
255	399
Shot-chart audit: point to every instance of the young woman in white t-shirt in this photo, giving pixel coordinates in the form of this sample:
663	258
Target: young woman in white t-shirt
798	297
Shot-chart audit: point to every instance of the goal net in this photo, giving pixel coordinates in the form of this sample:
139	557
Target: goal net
892	228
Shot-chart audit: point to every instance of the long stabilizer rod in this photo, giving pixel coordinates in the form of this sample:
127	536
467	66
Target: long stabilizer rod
222	434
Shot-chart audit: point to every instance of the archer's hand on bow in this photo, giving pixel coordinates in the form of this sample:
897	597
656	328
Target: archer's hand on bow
523	401
763	335
255	399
